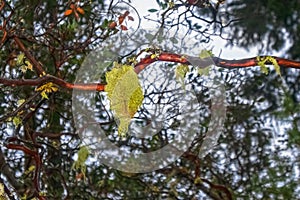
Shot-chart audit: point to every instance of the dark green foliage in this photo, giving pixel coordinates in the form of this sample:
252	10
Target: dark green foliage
269	24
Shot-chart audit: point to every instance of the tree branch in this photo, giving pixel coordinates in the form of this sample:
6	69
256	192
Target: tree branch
33	153
49	78
143	63
196	61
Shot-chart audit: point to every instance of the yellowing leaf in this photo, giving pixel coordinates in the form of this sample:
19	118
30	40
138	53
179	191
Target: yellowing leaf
1	190
17	121
23	63
47	88
198	180
44	95
154	56
20	102
28	65
275	64
171	4
24	197
3	196
125	94
261	63
20	59
23	68
264	69
30	169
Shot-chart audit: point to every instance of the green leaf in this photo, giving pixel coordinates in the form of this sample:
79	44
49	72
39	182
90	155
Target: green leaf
205	53
20	102
204	71
17	121
20	59
152	10
149	36
83	154
174	40
180	73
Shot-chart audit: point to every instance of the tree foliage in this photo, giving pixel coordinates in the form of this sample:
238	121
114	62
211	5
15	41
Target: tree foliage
43	153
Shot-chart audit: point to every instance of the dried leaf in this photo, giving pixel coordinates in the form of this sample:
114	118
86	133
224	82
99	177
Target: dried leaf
112	25
80	10
130	18
126	13
121	19
72	6
68	12
124	28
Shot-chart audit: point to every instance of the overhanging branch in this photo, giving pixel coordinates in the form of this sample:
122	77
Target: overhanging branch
145	62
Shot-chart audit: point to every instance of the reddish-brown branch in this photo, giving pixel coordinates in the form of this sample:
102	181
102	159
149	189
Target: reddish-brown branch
34	153
250	62
164	56
183	59
53	79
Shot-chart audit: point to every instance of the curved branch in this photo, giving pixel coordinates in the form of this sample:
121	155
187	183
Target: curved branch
53	79
33	153
143	63
196	61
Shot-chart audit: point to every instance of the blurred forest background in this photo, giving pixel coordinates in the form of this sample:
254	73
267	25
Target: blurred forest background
257	155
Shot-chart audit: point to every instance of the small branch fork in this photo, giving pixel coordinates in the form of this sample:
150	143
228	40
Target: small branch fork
15	144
